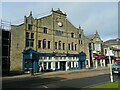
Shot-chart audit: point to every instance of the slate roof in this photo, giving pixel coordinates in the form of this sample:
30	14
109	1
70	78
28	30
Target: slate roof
113	41
90	36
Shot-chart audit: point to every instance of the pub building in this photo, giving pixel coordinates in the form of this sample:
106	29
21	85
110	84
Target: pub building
49	43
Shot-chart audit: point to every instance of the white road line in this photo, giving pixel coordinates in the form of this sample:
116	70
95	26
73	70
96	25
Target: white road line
44	86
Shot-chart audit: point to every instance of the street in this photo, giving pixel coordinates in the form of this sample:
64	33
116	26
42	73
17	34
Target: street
71	80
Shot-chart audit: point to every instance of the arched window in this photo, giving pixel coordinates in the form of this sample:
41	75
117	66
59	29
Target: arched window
44	43
72	35
72	46
59	45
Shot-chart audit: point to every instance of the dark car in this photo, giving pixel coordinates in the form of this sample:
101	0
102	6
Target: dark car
116	67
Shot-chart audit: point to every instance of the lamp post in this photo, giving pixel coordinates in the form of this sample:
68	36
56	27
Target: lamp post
110	65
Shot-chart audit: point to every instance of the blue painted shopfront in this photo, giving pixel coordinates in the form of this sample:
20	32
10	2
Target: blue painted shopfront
82	60
30	61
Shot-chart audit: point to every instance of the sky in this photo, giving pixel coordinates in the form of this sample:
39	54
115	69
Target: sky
91	16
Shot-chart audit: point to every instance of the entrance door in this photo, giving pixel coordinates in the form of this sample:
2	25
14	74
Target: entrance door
27	66
63	65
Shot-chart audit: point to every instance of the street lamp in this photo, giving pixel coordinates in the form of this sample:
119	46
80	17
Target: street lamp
109	53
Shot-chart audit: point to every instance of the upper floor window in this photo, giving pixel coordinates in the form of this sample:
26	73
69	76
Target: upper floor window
27	35
72	35
48	44
30	27
81	42
75	46
39	43
79	35
105	51
55	45
32	35
45	30
59	45
29	43
63	46
68	46
59	32
72	46
44	43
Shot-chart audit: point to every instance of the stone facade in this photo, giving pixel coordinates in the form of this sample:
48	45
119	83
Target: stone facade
114	45
51	34
95	47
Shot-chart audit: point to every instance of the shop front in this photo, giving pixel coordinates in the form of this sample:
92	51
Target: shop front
99	61
30	61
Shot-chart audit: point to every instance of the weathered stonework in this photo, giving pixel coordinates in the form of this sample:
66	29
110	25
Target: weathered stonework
56	21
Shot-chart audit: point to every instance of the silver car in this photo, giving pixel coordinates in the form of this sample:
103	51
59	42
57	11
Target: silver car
116	67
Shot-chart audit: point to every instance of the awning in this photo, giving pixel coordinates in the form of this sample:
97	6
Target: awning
117	59
98	57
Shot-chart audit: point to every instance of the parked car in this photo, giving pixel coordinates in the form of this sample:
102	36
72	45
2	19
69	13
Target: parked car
116	67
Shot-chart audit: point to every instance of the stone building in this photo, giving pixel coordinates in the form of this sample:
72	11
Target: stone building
96	50
58	44
114	45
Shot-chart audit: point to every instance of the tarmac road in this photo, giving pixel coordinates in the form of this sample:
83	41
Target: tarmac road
80	82
66	80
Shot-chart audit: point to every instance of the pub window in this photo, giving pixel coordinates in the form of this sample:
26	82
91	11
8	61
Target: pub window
72	46
56	64
27	35
49	58
48	44
49	65
72	35
32	35
55	45
59	45
29	27
68	46
45	30
39	43
44	43
60	57
63	46
45	64
75	46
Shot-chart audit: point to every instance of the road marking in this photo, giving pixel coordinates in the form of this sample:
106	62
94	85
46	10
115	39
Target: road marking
44	86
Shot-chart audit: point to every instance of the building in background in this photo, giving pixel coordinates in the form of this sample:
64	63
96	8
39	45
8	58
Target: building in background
114	45
96	54
5	51
51	42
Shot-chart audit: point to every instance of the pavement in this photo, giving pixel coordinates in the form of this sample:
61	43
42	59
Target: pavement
55	73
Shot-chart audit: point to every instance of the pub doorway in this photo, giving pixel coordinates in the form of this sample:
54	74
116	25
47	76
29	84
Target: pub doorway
63	65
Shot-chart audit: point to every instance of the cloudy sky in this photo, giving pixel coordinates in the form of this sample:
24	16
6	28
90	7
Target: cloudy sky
91	16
